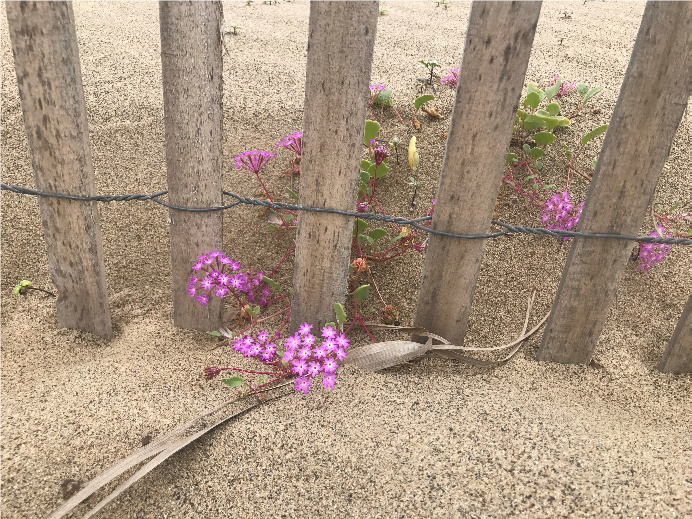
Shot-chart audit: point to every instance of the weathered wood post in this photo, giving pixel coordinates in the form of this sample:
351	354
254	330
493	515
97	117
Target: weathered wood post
652	100
678	355
340	46
46	57
496	55
192	96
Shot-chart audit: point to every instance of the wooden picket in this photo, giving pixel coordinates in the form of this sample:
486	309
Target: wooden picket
340	46
44	44
192	96
678	355
652	100
496	55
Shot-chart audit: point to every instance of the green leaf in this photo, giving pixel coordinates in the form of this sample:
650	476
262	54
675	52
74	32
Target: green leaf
420	101
542	113
333	325
384	97
532	100
533	122
526	148
364	238
553	108
539	165
549	186
591	93
365	164
365	177
563	121
544	138
568	152
214	333
594	133
340	313
536	153
551	91
533	87
360	226
530	177
510	157
593	163
293	194
372	128
361	293
377	233
382	170
233	381
262	380
582	88
550	123
271	282
522	114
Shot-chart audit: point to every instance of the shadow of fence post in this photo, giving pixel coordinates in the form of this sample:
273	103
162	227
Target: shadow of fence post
49	76
652	99
496	56
192	96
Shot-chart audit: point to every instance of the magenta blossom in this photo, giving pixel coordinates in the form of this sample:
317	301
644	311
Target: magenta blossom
253	160
303	384
560	213
452	78
651	254
305	328
292	141
566	87
329	381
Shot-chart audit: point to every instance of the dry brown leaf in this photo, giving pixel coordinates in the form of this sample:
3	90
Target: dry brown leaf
432	112
416	122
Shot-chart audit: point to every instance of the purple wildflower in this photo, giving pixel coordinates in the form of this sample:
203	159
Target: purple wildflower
262	336
292	342
566	87
309	340
343	341
329	381
292	141
253	160
560	213
303	384
305	328
330	365
288	356
203	299
191	290
314	368
381	153
650	254
329	345
328	332
362	207
268	356
320	352
376	88
452	78
340	353
304	352
300	366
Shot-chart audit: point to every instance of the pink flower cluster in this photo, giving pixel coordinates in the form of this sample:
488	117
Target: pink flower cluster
651	254
253	160
376	88
260	347
217	274
310	356
567	87
452	77
560	213
292	141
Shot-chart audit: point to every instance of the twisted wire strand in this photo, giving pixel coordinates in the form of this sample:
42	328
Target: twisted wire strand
414	222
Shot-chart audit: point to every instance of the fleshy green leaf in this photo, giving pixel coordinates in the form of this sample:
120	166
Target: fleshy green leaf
551	91
372	128
214	333
421	100
365	164
382	170
568	152
553	108
384	97
532	100
377	233
510	157
360	226
544	138
271	282
594	133
533	87
539	165
591	93
522	114
340	313
233	381
536	153
563	121
533	122
327	325
365	177
526	148
582	88
361	293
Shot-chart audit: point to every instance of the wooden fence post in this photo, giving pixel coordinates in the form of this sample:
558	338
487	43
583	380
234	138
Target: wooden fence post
192	96
496	55
652	100
678	355
49	76
340	46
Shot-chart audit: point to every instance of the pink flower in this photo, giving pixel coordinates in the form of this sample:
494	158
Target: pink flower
305	328
340	353
300	367
330	365
320	352
303	384
329	345
203	299
288	356
314	369
262	336
305	352
309	340
328	332
329	381
343	341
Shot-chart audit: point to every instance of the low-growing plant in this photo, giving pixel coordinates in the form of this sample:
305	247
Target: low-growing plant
431	65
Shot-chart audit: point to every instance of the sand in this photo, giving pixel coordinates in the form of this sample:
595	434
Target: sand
431	439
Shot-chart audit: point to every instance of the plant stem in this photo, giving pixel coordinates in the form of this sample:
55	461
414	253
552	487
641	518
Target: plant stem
42	290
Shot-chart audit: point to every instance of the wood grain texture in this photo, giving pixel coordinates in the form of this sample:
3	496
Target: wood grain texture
496	55
652	100
678	355
192	99
340	46
44	44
